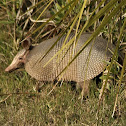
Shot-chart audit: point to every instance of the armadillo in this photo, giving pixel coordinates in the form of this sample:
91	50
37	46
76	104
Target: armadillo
79	70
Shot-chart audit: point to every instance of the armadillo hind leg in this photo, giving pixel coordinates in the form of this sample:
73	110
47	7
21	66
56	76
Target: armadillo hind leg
84	86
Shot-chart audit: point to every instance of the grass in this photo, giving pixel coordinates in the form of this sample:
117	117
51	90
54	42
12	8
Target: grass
62	107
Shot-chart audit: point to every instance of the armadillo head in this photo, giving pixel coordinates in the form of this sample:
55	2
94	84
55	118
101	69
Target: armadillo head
21	57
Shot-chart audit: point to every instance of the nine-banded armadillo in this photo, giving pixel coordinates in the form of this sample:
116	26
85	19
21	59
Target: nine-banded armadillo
77	71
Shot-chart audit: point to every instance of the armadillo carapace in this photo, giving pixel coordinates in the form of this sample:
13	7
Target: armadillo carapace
90	63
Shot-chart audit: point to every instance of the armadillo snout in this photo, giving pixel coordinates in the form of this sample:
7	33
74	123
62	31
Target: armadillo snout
10	68
13	67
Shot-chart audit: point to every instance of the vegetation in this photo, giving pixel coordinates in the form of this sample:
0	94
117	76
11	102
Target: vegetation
21	103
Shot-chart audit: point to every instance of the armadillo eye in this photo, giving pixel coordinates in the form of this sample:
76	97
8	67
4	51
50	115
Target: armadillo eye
20	58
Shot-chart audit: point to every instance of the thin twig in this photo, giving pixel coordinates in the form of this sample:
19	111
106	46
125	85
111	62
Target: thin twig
6	98
20	93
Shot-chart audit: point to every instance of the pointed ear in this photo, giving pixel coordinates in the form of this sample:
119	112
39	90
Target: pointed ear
26	43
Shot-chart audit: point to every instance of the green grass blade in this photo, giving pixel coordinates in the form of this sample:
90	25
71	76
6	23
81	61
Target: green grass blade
123	68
